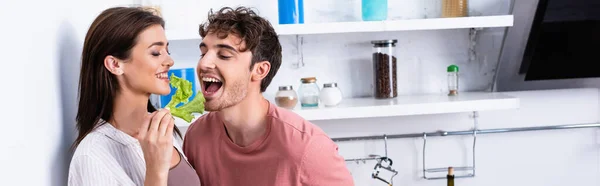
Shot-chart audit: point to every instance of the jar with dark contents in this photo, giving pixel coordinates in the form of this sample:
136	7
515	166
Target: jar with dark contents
384	69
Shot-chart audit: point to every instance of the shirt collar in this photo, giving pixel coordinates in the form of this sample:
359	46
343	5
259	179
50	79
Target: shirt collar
115	134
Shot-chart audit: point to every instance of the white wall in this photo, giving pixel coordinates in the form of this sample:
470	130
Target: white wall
42	43
49	35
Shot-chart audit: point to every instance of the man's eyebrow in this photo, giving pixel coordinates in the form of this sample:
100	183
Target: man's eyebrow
159	43
224	46
227	47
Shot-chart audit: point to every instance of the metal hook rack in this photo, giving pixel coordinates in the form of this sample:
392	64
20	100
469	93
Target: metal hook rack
475	132
467	168
380	164
372	156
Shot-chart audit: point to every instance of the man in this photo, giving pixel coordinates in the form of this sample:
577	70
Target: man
245	139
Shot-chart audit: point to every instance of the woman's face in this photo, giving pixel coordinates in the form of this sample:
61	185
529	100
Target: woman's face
146	71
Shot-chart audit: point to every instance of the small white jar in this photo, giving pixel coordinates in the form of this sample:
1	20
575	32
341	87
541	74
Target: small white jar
330	95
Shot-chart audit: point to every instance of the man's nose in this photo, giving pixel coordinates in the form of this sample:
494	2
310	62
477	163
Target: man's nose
206	63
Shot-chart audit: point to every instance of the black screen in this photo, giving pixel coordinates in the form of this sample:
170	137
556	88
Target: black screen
564	41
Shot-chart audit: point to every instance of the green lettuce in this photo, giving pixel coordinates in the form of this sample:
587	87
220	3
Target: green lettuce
182	95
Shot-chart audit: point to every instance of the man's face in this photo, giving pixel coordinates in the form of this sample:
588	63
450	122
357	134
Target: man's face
224	71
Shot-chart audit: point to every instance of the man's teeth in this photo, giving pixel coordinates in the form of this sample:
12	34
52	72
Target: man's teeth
208	79
162	75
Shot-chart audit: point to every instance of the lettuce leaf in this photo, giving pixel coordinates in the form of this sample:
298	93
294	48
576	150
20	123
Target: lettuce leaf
182	95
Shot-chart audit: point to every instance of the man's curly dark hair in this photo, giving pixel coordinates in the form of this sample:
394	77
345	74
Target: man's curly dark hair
257	33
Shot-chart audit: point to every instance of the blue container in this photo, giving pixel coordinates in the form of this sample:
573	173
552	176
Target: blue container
186	73
374	10
291	11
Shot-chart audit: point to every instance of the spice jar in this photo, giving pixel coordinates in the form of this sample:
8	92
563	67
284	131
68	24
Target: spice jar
452	80
330	95
286	97
384	68
454	8
309	92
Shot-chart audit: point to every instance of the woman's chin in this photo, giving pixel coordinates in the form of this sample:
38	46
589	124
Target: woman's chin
162	92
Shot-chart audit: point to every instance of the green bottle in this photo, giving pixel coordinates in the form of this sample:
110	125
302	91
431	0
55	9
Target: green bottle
452	80
450	177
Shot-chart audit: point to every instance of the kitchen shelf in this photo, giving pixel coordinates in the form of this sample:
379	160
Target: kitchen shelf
352	108
397	25
411	105
374	26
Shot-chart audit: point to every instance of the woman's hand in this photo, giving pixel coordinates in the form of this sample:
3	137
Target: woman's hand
156	139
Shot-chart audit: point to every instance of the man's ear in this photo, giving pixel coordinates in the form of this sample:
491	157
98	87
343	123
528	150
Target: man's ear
260	70
113	65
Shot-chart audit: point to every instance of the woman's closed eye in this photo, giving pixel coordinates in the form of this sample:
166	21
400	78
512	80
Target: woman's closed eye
156	54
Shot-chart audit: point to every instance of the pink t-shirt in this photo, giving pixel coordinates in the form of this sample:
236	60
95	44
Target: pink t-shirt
292	151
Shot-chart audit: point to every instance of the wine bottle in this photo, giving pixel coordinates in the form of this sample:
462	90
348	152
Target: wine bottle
450	177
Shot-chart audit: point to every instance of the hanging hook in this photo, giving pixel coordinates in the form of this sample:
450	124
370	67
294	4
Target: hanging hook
385	143
387	167
424	145
299	43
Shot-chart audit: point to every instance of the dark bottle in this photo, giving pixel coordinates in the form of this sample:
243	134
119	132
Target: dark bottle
450	177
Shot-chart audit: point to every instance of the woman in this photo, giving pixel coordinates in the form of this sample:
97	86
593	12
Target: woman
122	139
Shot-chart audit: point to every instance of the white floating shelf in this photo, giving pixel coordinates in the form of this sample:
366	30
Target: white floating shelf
397	25
373	26
404	106
410	105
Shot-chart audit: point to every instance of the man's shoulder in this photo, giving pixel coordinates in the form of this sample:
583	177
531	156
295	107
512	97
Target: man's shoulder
292	122
290	119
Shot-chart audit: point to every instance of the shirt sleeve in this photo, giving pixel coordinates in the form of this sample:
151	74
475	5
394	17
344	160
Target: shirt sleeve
322	165
87	171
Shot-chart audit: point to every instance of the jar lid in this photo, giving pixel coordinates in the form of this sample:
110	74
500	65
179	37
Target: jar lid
286	87
309	80
387	41
329	85
452	68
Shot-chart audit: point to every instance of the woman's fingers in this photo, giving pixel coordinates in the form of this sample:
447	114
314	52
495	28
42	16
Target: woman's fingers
164	124
156	120
145	124
169	132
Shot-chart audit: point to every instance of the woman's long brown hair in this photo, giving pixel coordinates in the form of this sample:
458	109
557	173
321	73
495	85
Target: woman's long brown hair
114	32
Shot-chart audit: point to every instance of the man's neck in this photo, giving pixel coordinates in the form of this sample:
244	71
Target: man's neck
129	111
246	122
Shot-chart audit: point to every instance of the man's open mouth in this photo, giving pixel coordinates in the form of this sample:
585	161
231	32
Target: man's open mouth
211	85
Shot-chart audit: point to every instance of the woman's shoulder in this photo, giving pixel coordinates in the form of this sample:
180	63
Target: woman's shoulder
103	141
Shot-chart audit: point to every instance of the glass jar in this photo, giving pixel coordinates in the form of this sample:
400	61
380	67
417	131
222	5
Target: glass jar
455	8
374	10
330	95
286	97
384	69
309	92
452	80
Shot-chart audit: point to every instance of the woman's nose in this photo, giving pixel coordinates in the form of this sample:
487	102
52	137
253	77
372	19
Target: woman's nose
169	62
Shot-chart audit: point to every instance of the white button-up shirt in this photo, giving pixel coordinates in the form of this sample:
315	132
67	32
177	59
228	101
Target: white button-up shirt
108	156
